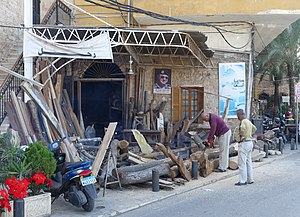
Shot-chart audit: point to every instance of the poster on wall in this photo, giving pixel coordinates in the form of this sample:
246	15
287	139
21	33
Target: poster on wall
162	81
232	84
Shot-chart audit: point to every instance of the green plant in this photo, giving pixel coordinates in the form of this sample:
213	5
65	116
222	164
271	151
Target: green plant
11	156
40	158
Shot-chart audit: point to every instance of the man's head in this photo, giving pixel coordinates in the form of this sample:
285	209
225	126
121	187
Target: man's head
163	77
205	116
240	114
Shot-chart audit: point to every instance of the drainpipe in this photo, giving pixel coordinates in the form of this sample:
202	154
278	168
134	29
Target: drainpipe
129	13
250	75
28	61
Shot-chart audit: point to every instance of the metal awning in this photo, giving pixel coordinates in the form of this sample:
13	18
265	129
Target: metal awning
147	47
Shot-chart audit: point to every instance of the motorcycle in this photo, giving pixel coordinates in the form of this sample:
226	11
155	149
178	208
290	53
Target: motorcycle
267	124
73	180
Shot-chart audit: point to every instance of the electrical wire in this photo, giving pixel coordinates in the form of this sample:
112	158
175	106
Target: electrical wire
114	5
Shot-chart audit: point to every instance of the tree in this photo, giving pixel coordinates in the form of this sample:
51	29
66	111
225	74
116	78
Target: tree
274	68
281	54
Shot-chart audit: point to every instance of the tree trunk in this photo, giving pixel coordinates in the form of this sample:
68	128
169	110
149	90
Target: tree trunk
291	75
276	97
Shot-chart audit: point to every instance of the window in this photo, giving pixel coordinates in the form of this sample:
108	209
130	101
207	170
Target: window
186	102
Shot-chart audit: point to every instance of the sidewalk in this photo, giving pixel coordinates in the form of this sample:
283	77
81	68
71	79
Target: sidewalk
132	197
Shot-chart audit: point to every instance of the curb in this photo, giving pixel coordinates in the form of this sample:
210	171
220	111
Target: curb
200	185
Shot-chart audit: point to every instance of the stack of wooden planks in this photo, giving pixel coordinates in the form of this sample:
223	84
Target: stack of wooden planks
47	116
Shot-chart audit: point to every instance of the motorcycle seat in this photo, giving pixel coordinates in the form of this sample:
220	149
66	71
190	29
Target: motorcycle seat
75	165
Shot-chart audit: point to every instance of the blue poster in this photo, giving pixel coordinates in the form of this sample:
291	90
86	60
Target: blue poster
232	85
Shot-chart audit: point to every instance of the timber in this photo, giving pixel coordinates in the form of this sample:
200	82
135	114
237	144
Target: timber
142	176
103	148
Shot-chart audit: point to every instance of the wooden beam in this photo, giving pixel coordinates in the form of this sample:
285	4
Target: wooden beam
38	99
103	148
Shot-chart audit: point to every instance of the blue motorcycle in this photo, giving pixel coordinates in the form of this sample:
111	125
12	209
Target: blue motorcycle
73	180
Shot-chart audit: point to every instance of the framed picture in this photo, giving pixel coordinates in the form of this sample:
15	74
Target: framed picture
232	85
162	81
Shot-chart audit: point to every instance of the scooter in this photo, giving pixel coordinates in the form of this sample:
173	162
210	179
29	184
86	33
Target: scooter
73	180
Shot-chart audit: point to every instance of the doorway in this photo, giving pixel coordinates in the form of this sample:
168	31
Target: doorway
102	96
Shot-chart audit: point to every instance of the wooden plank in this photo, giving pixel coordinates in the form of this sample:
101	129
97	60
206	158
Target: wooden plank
38	99
27	120
59	86
103	148
20	117
145	147
72	114
225	114
14	121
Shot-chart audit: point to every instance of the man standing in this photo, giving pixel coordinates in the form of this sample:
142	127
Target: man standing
219	129
244	137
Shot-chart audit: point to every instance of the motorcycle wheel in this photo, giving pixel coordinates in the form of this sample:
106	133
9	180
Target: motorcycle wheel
89	206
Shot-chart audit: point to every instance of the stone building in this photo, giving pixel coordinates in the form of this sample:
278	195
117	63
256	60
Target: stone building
223	32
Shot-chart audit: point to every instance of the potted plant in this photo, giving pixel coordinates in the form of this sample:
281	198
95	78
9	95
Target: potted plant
27	178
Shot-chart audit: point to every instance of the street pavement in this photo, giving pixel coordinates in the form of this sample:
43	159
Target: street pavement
116	202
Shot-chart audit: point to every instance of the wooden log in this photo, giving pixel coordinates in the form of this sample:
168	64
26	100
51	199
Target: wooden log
143	166
103	148
143	175
206	166
233	163
257	155
123	145
140	158
174	171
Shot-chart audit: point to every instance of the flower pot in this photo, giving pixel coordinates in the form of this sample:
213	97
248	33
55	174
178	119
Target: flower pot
35	206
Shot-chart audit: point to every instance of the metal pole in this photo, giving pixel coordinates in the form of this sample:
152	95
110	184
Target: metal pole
155	180
195	169
28	61
19	208
297	130
129	13
266	149
281	145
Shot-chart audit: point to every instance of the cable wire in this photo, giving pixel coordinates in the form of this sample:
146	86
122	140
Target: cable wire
114	5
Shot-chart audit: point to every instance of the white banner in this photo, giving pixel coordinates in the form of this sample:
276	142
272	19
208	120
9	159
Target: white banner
98	47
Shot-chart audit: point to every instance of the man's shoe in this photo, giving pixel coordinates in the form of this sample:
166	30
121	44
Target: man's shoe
240	183
219	170
250	182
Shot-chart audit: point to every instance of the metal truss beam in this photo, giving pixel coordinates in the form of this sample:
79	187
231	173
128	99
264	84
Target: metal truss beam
136	42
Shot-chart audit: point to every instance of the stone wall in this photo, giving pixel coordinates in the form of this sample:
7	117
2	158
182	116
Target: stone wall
11	15
201	77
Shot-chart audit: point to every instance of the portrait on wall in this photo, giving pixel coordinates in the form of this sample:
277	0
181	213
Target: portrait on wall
232	85
162	81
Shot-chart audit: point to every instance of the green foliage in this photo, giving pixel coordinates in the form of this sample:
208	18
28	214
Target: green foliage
11	158
41	159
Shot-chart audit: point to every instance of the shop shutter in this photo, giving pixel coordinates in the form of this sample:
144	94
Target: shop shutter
176	104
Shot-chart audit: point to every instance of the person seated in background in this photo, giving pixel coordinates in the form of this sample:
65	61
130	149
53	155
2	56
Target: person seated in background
289	114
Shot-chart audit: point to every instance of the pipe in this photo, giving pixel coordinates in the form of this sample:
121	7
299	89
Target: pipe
129	13
28	61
